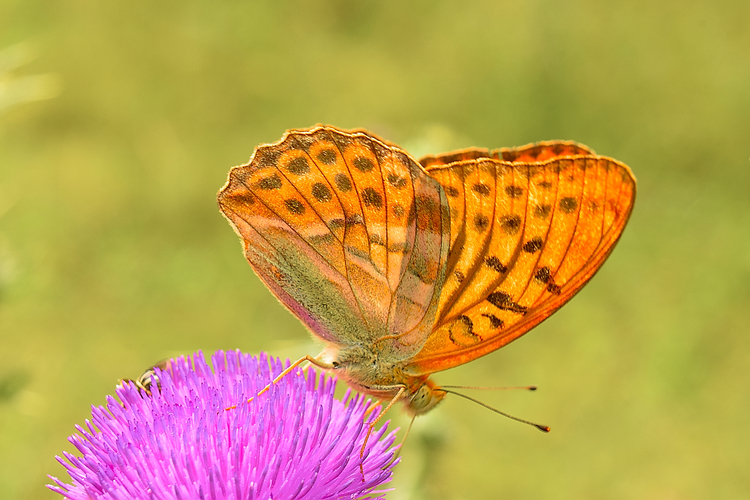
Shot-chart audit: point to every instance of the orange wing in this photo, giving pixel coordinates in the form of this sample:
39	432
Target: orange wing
525	237
347	231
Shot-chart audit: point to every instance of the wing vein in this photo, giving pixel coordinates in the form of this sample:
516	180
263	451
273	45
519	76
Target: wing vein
572	237
284	220
346	260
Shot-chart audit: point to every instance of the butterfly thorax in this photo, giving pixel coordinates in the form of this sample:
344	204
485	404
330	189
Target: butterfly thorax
368	373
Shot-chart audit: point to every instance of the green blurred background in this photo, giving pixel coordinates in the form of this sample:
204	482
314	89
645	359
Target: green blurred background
120	120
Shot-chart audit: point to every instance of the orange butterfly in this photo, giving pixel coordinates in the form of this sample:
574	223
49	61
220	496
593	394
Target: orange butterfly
406	268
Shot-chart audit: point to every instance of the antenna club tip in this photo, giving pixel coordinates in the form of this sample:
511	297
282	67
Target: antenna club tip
532	387
543	428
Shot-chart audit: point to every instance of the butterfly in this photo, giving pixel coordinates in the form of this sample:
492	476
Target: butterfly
404	268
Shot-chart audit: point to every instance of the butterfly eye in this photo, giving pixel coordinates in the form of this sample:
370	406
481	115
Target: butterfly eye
421	394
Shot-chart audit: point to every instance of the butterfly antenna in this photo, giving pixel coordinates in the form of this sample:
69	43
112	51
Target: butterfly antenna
523	387
542	428
401	444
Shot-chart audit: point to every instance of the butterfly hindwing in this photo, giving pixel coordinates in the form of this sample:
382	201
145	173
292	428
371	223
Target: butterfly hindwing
347	231
538	152
432	161
542	151
552	225
285	261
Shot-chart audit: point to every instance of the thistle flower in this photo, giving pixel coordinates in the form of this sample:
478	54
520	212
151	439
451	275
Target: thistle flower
180	442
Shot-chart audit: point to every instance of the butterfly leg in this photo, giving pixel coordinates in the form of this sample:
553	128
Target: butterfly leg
372	425
371	409
286	372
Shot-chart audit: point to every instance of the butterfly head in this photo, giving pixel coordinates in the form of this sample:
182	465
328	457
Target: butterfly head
423	396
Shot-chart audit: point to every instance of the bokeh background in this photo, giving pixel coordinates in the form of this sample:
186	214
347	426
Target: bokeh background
120	120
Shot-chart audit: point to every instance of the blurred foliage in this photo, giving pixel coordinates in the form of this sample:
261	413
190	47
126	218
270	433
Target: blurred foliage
17	90
113	254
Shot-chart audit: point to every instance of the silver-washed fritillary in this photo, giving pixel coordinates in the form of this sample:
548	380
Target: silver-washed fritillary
405	268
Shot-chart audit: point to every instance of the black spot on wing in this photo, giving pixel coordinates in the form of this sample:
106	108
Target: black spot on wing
542	211
495	322
327	156
270	183
461	332
505	302
543	274
513	191
481	189
343	183
451	191
510	224
495	264
354	220
363	164
568	204
372	198
321	192
298	166
533	245
295	206
396	181
481	222
350	221
266	157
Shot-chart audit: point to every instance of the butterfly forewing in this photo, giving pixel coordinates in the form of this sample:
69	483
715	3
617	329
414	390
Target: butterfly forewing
554	224
471	221
347	231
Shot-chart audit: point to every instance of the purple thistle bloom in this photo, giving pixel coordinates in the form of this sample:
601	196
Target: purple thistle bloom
294	441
